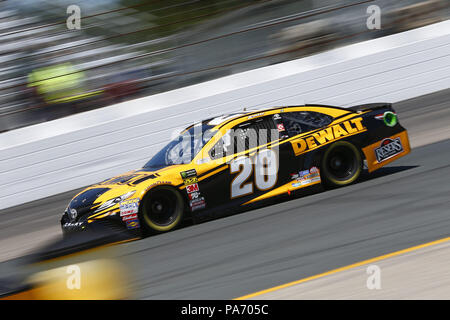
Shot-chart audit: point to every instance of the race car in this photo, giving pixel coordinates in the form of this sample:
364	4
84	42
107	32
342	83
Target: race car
238	161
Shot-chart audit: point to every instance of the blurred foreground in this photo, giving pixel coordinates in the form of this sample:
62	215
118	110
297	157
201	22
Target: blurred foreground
84	266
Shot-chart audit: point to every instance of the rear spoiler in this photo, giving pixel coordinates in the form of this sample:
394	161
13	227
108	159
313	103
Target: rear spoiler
371	106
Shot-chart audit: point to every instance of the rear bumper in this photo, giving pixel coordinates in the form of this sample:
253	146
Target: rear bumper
387	150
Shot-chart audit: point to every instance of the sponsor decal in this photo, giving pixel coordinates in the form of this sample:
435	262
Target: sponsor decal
73	224
276	116
299	175
196	201
255	115
188	174
193	195
388	148
306	177
280	127
303	173
322	137
130	217
189	181
112	202
128	207
192	188
197	204
132	224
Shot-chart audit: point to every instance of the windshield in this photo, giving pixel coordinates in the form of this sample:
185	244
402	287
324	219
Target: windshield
183	148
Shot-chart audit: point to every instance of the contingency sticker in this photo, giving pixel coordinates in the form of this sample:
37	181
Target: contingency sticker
192	188
188	174
198	203
133	216
280	126
132	224
306	177
128	207
190	180
194	195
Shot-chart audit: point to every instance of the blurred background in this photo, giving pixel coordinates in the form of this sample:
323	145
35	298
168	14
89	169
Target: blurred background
127	48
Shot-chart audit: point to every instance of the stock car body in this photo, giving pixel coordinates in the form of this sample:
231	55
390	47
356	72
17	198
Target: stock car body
237	161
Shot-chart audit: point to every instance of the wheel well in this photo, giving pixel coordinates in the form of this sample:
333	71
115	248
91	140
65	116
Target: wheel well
355	149
355	144
174	218
321	152
164	187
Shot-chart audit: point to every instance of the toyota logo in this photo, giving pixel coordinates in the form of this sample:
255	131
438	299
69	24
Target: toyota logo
73	214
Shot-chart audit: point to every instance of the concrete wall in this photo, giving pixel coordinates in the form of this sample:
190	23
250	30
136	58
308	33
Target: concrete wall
61	155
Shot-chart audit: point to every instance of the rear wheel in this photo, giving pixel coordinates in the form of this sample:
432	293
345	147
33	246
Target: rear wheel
162	210
341	164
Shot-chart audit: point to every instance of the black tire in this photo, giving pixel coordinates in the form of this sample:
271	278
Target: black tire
162	210
341	164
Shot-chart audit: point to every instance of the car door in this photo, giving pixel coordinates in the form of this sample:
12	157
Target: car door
298	123
251	159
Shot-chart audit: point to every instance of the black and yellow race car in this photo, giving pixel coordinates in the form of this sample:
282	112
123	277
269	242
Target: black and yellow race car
237	161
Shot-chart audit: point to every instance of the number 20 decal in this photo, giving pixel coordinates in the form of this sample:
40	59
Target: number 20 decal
266	173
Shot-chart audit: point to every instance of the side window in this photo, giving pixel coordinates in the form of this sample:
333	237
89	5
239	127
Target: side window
245	136
303	121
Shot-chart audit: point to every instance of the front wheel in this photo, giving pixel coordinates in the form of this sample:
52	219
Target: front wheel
162	210
341	164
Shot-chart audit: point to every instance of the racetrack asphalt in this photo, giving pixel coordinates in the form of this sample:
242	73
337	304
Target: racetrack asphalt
404	204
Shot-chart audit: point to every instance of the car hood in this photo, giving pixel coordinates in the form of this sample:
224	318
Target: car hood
106	195
83	203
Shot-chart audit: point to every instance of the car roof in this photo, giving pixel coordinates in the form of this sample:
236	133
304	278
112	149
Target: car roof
219	121
222	120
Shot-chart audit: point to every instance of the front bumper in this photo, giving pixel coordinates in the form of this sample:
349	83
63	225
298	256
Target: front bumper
68	227
110	224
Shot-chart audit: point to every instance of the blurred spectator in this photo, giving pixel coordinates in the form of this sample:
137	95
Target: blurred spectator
303	39
59	84
125	84
415	15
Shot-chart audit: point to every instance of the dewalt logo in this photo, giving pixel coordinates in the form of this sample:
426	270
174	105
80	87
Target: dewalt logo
335	132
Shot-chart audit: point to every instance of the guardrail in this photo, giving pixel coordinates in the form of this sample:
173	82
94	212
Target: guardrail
65	154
